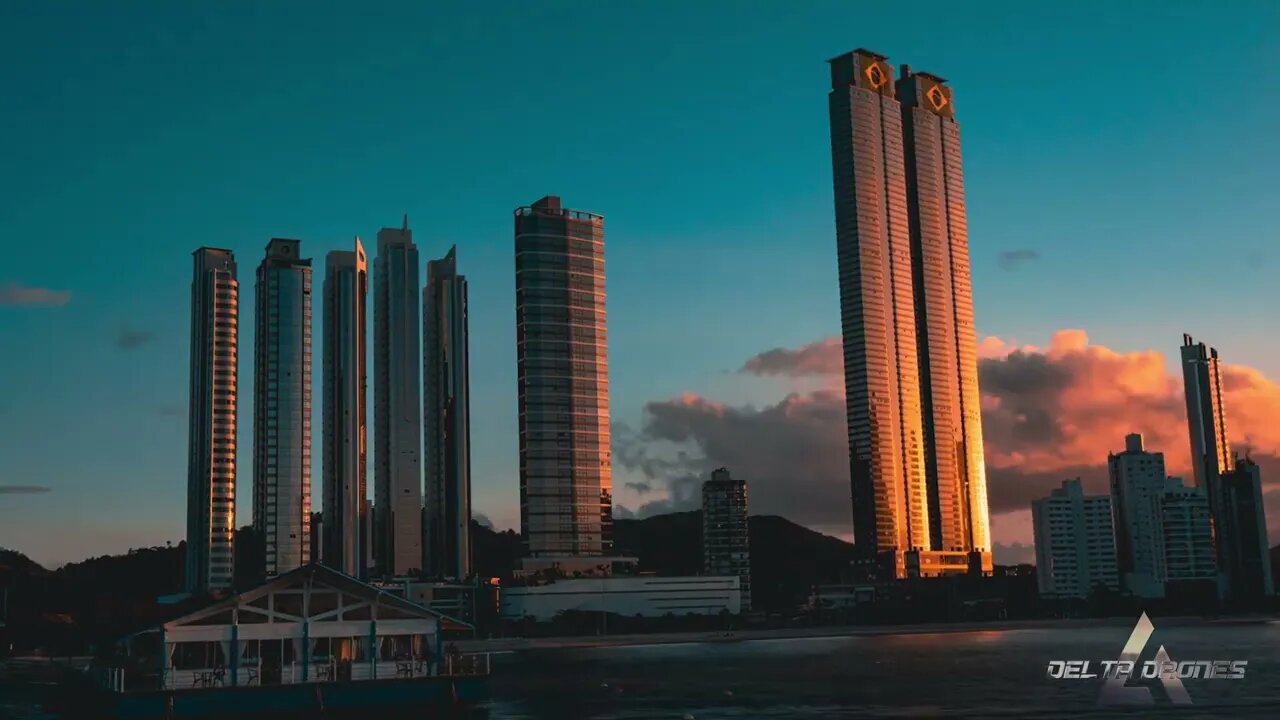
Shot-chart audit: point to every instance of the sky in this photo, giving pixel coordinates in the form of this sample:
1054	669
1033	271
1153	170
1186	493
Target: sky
1120	163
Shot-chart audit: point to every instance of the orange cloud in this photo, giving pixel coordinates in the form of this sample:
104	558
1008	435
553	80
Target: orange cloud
1048	414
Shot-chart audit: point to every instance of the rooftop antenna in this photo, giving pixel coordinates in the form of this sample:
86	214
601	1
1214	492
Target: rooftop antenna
406	222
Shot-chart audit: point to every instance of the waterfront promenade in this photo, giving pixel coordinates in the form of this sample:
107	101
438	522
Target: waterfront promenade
520	644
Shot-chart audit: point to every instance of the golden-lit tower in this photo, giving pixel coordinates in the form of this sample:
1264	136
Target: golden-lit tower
566	489
882	390
910	355
952	420
211	451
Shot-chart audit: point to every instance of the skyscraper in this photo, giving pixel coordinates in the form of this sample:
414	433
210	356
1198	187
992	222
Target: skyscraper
1186	534
1137	491
915	439
566	502
447	420
1206	420
1075	542
953	461
397	422
726	540
1242	533
282	407
211	430
346	284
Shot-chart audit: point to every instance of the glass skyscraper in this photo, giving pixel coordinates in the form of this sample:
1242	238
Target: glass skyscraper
397	422
1234	488
282	407
910	359
566	502
447	420
211	447
346	284
1206	417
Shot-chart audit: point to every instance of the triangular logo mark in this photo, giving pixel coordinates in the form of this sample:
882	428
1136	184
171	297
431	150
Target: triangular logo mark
1115	692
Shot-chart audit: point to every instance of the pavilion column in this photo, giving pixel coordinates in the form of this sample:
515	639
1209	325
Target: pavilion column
235	654
306	650
164	658
373	643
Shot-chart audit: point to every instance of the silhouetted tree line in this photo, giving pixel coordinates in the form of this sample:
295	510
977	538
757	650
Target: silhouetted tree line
88	604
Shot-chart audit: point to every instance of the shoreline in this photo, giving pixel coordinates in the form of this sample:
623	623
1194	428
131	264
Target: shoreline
522	644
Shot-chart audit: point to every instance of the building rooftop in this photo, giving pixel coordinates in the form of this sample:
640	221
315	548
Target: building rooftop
549	206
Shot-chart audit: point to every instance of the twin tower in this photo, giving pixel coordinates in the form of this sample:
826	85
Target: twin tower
910	358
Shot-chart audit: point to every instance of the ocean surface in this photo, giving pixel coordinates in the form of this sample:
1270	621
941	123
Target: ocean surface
980	674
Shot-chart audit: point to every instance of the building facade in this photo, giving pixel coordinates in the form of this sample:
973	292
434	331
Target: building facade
645	596
211	429
1137	491
1206	413
447	421
1075	542
346	286
397	422
566	499
1242	531
282	407
955	471
726	540
1207	426
915	439
1187	534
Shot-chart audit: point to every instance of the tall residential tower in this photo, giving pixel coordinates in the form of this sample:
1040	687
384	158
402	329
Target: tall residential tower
954	467
447	420
910	361
346	284
397	422
1075	542
1206	417
211	430
726	540
282	407
1138	484
566	501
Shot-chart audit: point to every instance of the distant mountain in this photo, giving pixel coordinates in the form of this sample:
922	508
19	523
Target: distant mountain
786	559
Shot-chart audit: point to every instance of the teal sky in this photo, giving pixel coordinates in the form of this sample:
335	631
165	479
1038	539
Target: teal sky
1132	147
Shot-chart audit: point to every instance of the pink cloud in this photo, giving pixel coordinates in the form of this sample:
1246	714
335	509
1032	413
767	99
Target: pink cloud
1048	414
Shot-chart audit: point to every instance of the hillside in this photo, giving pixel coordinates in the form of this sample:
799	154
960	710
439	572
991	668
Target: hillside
786	558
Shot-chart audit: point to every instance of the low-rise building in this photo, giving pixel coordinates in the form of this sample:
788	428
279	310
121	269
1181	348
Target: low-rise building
630	596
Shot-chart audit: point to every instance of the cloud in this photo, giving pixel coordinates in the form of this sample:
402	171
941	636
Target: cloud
1013	553
823	357
23	489
793	454
16	295
1011	260
640	488
1048	414
130	339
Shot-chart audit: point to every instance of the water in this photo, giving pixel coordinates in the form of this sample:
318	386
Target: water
970	674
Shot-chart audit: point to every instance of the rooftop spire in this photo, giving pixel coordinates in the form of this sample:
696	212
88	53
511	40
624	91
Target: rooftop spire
406	222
